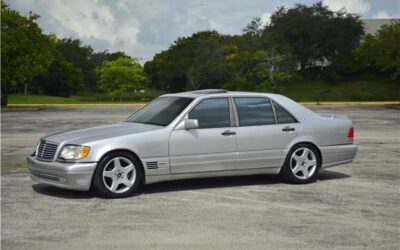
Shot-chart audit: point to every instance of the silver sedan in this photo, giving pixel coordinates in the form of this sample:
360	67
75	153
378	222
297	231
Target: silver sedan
196	134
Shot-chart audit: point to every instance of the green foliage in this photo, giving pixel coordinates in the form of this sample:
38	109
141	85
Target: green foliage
320	42
121	75
24	49
381	51
61	79
318	90
315	33
190	63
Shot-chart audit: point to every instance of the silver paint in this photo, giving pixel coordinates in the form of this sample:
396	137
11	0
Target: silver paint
195	153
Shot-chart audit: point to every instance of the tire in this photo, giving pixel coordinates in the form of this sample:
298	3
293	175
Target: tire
302	164
118	175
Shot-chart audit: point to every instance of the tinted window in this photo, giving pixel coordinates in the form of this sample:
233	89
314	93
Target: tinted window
282	115
254	111
212	113
161	111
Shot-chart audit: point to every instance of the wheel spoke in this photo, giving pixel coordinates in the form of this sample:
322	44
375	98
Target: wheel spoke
126	182
110	173
296	158
304	155
128	168
117	163
310	163
305	171
114	185
296	169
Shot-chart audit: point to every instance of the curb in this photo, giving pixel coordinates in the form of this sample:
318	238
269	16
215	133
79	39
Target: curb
141	104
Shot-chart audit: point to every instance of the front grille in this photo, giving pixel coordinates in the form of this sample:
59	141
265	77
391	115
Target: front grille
46	151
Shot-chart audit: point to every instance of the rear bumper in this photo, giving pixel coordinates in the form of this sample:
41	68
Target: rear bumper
76	176
337	155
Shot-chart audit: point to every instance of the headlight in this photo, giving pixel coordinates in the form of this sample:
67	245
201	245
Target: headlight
73	152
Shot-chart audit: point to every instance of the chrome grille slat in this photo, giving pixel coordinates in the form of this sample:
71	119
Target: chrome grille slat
46	151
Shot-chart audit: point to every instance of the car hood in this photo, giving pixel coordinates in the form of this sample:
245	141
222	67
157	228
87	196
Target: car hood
87	135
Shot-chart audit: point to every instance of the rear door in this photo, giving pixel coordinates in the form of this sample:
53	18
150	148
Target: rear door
211	147
262	135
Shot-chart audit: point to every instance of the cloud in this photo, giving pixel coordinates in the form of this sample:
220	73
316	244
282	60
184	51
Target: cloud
143	28
353	6
382	15
265	18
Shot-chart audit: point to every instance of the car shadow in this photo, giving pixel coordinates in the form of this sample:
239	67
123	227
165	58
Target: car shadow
63	193
183	185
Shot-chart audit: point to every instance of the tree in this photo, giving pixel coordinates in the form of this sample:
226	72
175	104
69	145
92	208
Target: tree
96	60
121	75
79	55
237	64
382	50
272	69
190	63
315	33
24	49
62	78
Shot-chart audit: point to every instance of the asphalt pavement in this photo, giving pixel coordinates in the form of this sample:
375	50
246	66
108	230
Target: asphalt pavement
354	206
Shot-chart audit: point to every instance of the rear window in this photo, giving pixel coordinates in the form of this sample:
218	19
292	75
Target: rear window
254	111
282	115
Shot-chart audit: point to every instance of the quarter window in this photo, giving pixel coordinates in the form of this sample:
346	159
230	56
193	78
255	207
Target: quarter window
282	115
212	113
253	111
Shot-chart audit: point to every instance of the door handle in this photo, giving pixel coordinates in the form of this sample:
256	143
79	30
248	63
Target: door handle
288	129
228	133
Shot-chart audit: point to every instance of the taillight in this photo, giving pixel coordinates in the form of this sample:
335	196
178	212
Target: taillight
350	134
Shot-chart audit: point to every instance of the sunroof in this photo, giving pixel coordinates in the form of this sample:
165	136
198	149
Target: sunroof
209	91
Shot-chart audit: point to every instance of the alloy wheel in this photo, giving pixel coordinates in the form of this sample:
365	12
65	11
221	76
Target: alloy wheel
119	175
303	163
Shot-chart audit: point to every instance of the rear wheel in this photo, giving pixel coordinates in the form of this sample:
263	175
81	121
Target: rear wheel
301	164
117	175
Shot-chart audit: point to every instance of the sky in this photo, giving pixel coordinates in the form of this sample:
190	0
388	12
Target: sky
142	28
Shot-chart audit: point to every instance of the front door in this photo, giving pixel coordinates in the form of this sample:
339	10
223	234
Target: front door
212	146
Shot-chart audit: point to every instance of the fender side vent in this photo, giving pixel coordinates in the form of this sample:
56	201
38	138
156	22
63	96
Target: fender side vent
152	165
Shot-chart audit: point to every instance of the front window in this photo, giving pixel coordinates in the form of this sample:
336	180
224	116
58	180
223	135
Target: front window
161	111
212	113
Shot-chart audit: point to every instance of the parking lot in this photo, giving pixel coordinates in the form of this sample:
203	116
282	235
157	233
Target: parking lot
354	206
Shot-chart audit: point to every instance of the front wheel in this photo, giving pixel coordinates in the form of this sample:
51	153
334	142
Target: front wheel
301	164
117	175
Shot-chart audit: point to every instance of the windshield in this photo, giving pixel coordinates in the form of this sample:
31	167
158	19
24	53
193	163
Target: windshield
161	111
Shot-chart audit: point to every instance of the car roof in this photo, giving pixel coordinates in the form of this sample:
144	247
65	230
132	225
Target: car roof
215	92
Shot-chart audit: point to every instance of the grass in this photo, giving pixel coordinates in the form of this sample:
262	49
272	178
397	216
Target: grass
41	99
317	91
303	91
84	98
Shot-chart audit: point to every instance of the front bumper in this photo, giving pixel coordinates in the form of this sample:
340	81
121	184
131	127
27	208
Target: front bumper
76	176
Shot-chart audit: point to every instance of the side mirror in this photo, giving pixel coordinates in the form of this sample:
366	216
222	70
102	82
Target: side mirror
190	124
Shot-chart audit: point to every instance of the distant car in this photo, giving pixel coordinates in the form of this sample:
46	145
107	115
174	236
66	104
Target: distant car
195	134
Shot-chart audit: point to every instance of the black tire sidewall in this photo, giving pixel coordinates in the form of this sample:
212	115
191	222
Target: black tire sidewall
98	176
286	171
